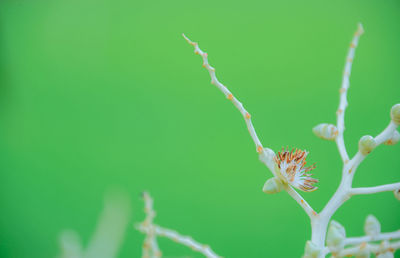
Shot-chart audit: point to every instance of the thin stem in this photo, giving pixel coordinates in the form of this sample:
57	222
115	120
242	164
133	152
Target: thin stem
375	189
227	93
150	246
343	94
300	200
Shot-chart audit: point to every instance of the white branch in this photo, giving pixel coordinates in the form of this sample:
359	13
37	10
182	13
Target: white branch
371	248
264	156
300	200
386	134
364	244
375	189
345	190
228	94
379	237
150	247
343	94
184	240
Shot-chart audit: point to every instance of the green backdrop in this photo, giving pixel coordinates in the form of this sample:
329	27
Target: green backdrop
100	94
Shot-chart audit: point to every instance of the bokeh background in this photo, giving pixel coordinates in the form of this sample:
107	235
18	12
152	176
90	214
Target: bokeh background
100	94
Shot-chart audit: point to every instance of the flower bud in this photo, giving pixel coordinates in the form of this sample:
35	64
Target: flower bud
397	194
394	139
385	255
395	114
273	185
385	251
366	144
363	253
267	156
336	236
311	250
372	227
326	131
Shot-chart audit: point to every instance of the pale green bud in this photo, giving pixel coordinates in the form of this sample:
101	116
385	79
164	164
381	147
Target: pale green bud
336	236
397	194
372	227
395	114
311	250
366	144
394	139
273	185
325	131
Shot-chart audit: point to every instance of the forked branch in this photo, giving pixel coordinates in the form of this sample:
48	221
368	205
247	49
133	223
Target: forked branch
184	240
150	247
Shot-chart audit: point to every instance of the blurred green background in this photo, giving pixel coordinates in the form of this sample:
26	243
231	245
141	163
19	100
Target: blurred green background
100	94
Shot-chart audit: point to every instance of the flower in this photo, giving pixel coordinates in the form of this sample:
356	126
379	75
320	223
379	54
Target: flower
289	167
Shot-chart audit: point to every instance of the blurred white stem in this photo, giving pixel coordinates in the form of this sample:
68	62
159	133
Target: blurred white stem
110	230
109	233
184	240
70	245
150	246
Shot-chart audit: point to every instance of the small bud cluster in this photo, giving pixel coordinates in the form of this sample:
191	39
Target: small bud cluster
385	252
361	247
